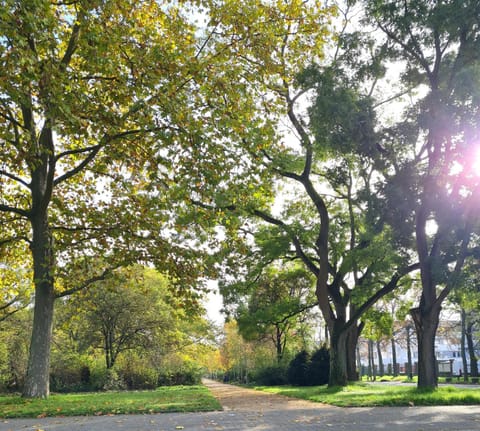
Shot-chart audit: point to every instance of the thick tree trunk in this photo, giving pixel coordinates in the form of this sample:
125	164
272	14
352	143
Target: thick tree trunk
38	371
352	342
338	358
426	323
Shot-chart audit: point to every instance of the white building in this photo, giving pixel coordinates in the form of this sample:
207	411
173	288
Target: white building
447	349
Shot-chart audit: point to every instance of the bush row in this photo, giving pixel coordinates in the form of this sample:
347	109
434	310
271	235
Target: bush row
85	378
304	369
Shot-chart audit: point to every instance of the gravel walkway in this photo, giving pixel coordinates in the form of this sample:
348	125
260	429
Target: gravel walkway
245	409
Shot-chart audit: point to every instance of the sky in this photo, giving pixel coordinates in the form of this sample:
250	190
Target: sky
214	304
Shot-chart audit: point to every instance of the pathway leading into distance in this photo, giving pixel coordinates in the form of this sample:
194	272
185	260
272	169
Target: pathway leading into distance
246	409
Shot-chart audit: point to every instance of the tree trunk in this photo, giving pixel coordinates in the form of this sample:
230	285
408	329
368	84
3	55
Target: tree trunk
351	346
381	368
409	352
278	344
359	362
37	381
463	315
426	323
338	358
394	358
371	361
471	351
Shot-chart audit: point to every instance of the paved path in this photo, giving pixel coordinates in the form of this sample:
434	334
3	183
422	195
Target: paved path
245	409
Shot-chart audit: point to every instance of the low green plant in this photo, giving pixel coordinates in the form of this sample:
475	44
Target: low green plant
171	399
368	395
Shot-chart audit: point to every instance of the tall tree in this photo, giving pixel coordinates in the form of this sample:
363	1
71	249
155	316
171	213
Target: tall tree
437	177
86	89
350	255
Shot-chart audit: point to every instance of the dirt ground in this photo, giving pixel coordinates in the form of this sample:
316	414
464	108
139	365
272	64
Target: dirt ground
243	399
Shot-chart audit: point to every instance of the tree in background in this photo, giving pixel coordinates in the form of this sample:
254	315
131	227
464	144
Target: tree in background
132	319
124	313
15	283
466	299
434	183
14	336
273	306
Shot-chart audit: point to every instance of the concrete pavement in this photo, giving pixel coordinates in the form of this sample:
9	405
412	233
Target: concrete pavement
245	409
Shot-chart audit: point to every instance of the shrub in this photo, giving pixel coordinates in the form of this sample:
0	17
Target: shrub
274	375
298	369
114	381
70	374
139	376
187	375
319	367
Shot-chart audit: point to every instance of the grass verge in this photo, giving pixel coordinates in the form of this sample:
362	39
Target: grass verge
368	395
164	399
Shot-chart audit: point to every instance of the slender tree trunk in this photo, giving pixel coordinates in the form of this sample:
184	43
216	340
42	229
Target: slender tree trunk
409	352
278	344
37	381
359	362
394	358
381	368
462	344
371	361
426	324
471	351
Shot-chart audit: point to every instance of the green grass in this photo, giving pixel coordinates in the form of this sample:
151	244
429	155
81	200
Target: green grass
367	395
165	399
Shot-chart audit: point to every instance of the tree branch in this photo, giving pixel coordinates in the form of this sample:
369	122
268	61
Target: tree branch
386	289
72	45
294	238
84	285
19	211
14	178
93	152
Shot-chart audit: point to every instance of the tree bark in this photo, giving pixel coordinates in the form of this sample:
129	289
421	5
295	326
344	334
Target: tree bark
426	323
278	343
37	381
471	351
371	362
394	358
338	358
462	343
352	342
381	368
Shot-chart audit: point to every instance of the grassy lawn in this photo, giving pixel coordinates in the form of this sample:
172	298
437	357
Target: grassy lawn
366	395
165	399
